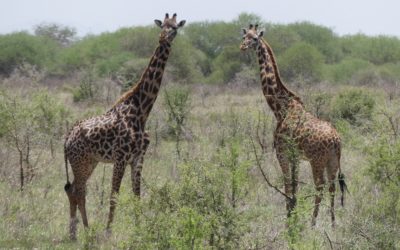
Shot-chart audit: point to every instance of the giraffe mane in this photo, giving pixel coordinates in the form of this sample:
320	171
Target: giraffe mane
277	75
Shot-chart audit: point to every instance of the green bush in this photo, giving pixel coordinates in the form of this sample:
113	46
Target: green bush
321	38
227	64
140	41
281	37
86	89
131	71
301	62
198	210
212	37
377	50
184	61
177	102
342	72
353	105
384	166
19	48
112	65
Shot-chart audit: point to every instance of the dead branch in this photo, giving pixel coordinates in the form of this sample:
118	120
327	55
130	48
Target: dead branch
394	124
258	161
261	139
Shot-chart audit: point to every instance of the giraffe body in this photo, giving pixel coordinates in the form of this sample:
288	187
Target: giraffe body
314	140
119	135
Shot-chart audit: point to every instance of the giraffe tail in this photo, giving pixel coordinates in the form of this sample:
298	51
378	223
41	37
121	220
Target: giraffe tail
343	187
68	185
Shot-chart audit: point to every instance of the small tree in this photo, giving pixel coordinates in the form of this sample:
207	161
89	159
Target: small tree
28	126
63	35
86	89
18	131
177	100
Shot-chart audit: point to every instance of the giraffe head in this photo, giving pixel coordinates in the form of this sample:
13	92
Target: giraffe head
251	37
169	28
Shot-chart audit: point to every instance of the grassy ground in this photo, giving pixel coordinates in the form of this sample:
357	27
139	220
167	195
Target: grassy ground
213	194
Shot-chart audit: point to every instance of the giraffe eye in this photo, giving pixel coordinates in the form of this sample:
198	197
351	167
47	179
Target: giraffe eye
255	38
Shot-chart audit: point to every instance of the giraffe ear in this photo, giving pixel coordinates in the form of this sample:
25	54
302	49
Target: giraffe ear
158	23
244	31
261	33
181	23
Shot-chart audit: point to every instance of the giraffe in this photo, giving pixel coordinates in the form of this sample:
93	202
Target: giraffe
314	140
119	135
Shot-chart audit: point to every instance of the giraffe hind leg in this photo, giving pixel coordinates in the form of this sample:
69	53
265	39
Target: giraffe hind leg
319	182
76	193
332	170
73	205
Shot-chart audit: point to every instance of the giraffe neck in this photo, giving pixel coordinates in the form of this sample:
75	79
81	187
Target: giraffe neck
139	100
277	95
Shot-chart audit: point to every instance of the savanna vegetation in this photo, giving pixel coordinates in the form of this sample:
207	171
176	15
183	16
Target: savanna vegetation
211	135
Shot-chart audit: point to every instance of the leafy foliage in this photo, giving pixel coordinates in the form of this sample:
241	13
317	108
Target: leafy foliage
302	61
64	36
354	106
19	48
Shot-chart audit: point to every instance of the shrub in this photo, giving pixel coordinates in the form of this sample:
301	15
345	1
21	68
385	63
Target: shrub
19	48
353	105
384	166
198	210
301	61
321	38
86	89
227	64
131	71
184	61
377	50
345	70
177	101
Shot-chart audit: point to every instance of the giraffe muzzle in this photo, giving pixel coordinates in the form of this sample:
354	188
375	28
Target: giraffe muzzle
244	46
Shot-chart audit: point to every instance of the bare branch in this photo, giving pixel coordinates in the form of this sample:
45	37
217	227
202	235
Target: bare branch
393	124
263	173
329	239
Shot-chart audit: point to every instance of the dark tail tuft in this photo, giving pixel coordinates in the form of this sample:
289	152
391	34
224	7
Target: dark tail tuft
67	187
343	187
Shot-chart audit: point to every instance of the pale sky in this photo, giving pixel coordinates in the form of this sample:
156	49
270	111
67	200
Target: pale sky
95	16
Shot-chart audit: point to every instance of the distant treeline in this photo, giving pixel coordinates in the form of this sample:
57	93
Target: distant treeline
207	52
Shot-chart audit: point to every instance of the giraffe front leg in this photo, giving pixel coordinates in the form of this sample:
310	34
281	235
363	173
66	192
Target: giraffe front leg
137	166
118	174
288	176
136	175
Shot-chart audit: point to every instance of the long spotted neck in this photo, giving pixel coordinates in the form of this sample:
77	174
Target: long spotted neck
137	102
277	95
150	84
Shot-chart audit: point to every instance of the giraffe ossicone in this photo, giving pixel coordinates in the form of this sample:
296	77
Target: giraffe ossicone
119	135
